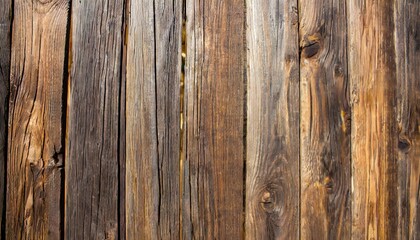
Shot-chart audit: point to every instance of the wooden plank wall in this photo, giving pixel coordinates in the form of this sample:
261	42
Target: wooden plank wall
184	119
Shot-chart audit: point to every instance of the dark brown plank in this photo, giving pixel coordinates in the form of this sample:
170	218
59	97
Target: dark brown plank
91	185
373	132
153	113
35	129
5	41
272	182
214	85
407	32
325	121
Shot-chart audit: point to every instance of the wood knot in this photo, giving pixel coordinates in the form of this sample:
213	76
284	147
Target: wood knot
267	201
266	197
404	145
329	184
310	50
338	71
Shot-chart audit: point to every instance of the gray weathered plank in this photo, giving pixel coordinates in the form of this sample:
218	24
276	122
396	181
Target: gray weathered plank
325	121
272	182
152	124
373	132
214	153
91	164
35	129
407	36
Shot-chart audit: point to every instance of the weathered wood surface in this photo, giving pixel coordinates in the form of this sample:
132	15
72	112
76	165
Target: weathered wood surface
5	41
325	121
91	161
153	119
372	74
272	181
299	119
407	36
35	129
215	93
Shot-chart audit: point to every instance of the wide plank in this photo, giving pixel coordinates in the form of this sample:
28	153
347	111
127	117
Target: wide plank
325	121
34	169
5	41
92	140
214	113
153	75
407	32
373	132
272	139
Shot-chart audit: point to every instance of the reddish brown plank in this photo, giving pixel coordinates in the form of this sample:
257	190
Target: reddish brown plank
35	129
373	133
214	87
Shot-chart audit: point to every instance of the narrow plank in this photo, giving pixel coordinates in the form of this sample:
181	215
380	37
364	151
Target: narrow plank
5	41
214	87
272	181
407	32
325	121
373	133
91	185
35	116
153	113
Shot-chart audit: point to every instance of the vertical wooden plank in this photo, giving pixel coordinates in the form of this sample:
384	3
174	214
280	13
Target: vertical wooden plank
214	85
93	114
325	121
272	194
373	134
153	113
407	36
168	23
35	136
5	41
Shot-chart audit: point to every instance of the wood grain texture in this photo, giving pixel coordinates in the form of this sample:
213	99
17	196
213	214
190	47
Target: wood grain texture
92	120
35	129
214	87
325	121
407	36
5	42
272	181
153	113
373	133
